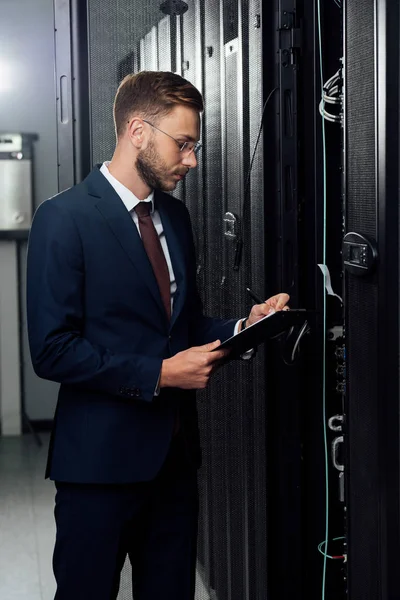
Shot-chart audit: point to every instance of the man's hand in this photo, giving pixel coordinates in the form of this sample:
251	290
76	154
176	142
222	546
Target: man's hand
274	304
192	368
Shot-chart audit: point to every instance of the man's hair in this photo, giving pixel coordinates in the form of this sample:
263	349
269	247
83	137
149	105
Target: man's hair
152	95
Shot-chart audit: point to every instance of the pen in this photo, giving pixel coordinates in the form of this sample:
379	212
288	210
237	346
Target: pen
254	297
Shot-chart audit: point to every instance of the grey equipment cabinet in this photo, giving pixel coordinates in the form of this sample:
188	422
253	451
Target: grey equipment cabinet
16	193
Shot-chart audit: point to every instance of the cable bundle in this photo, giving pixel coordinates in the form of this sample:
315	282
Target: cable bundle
331	94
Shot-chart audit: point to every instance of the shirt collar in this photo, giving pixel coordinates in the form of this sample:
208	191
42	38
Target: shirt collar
128	198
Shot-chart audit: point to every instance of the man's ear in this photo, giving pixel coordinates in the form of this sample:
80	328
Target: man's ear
136	132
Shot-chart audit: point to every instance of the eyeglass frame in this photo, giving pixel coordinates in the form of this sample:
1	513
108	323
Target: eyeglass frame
196	145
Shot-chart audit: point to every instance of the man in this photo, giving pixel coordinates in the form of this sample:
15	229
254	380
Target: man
114	316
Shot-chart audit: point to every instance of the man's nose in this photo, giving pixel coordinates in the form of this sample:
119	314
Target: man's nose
190	160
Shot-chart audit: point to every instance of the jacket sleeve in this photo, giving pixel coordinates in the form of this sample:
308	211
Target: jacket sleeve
55	314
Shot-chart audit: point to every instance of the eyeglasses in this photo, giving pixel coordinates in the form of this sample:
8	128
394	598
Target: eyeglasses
185	147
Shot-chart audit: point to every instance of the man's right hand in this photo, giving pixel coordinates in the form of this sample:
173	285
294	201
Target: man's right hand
192	368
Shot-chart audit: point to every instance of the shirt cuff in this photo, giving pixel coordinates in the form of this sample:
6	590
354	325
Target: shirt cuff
236	330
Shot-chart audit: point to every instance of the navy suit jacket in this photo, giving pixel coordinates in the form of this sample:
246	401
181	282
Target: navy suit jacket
97	325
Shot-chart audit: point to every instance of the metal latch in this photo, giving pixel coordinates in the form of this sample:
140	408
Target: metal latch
231	226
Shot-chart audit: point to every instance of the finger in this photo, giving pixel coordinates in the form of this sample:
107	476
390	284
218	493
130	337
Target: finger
217	355
283	299
272	301
265	309
207	347
278	301
270	304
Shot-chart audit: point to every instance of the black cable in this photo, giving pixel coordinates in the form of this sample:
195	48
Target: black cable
239	243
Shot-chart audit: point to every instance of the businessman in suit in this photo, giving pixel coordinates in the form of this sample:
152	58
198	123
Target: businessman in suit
114	316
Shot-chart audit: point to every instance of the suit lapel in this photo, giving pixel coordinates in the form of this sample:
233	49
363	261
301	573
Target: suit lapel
122	226
176	251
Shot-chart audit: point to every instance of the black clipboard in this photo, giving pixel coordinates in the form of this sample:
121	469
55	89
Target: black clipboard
266	328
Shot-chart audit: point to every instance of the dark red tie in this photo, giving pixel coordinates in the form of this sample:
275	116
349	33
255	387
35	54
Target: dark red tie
152	245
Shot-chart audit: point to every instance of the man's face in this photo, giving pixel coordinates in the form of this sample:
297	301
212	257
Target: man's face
160	164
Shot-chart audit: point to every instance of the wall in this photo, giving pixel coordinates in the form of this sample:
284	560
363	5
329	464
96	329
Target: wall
28	104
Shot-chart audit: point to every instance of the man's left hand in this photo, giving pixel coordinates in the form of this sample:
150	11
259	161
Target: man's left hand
273	304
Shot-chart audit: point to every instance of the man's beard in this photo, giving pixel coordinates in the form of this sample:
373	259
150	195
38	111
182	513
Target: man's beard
153	170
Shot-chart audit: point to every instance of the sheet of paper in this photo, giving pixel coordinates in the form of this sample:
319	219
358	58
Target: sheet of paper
328	284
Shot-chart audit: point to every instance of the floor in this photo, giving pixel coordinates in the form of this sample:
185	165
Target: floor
26	521
27	527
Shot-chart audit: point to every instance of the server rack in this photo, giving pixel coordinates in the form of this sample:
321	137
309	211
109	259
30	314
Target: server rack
371	177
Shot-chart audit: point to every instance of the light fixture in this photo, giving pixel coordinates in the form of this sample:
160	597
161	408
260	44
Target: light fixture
174	7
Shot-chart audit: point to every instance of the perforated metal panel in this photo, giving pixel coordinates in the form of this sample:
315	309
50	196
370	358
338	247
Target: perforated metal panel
216	46
165	42
254	257
192	67
372	151
362	297
117	30
232	545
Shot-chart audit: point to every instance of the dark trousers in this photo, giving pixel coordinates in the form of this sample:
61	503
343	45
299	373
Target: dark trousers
154	523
